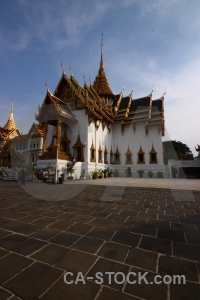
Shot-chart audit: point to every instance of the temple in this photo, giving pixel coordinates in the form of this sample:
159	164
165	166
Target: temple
100	129
92	126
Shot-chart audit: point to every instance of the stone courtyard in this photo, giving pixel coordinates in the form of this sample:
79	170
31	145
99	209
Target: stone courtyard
103	226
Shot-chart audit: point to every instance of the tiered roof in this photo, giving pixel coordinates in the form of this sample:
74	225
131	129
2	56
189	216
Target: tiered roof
10	130
69	95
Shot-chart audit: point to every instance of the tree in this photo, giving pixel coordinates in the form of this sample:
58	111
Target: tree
175	150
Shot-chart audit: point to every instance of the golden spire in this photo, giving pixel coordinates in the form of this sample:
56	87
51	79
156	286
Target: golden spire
10	125
101	84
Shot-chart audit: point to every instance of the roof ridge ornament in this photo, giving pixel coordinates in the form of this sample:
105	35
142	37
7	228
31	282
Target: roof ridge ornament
70	70
63	71
46	85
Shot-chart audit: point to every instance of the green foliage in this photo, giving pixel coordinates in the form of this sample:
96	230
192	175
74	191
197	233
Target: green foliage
116	173
173	149
160	174
150	174
140	172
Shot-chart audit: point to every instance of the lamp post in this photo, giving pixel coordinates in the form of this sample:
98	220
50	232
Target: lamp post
56	173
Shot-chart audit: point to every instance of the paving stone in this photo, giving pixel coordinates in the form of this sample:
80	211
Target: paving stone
83	219
61	225
156	245
33	281
110	294
105	265
191	252
126	238
67	216
30	218
145	291
45	233
185	291
113	251
21	244
171	235
16	264
51	254
80	228
159	224
190	221
18	226
144	229
176	266
184	227
101	222
3	252
116	217
76	261
65	239
101	233
4	295
193	238
62	291
88	244
142	259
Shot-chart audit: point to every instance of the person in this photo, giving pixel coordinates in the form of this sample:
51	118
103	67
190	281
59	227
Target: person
45	176
73	162
22	177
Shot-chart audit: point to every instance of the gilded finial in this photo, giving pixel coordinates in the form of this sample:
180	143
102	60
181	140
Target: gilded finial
12	108
46	85
70	70
63	71
84	78
102	47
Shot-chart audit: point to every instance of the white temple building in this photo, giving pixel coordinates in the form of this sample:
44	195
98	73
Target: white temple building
99	129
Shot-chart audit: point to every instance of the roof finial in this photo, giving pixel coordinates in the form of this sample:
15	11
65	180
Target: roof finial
101	63
84	78
70	70
63	71
46	85
12	108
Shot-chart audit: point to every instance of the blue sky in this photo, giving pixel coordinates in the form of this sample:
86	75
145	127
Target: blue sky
146	43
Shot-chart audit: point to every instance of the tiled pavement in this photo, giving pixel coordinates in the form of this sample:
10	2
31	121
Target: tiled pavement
93	228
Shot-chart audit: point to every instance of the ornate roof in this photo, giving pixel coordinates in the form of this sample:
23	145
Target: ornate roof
10	125
101	84
10	130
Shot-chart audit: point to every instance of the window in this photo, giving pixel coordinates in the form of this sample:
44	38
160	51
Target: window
153	156
100	154
92	153
141	159
117	157
111	157
105	156
128	157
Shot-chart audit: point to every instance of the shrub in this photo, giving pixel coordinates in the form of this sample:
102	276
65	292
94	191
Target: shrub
160	174
140	172
150	174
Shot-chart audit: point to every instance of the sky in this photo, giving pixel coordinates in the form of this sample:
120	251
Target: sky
146	43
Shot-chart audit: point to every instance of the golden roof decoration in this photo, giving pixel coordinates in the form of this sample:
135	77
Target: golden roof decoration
10	125
101	84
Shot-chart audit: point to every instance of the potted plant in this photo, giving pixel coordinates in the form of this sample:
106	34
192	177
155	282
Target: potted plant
150	174
83	174
105	172
94	174
140	172
128	172
160	174
110	173
70	171
100	173
115	173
